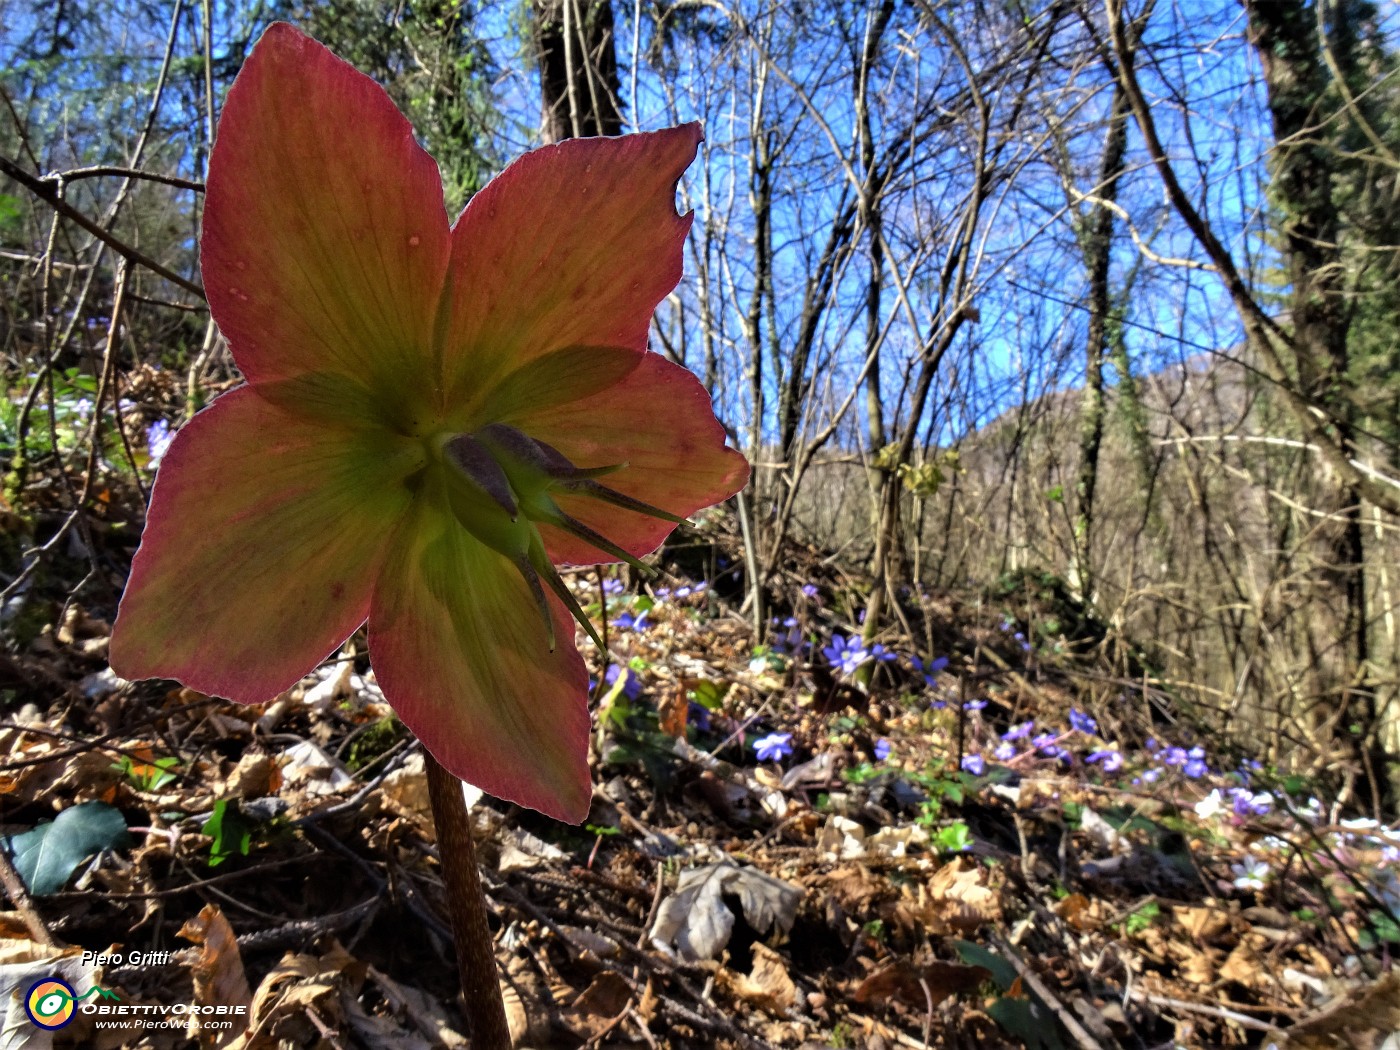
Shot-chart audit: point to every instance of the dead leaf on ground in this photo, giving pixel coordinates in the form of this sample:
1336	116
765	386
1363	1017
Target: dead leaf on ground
1364	1019
219	979
674	710
696	921
1204	923
767	985
905	982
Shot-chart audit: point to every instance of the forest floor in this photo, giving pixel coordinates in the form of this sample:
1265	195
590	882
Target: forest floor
1000	841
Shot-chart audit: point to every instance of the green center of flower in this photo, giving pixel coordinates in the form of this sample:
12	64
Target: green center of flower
500	484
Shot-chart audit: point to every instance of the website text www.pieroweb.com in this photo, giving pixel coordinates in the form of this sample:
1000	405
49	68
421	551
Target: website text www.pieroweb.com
52	1002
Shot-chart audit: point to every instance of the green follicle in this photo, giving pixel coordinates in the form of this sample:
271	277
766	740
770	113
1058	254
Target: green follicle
498	486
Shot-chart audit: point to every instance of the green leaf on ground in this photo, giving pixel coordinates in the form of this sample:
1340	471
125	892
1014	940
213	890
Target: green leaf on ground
46	856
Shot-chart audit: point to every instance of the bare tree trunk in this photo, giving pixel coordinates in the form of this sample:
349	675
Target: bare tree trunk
577	56
881	476
1096	242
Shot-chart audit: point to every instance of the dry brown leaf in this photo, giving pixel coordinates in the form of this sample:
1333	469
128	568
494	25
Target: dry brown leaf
421	1010
1078	911
525	996
951	882
607	996
406	789
766	986
254	777
218	974
649	1002
296	985
674	709
905	982
1363	1019
1198	967
1243	966
1205	923
853	887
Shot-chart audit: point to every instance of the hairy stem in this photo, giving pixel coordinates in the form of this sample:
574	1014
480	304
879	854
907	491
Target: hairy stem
466	906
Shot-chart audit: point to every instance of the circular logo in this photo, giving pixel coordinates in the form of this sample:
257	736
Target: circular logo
50	1003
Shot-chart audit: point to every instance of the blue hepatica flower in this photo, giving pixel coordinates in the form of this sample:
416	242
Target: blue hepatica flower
627	622
1250	874
1021	640
1175	756
1005	751
974	764
1047	744
613	586
929	671
882	655
1110	759
1019	732
1195	766
845	655
1246	803
882	749
158	439
773	747
1082	722
809	590
699	714
631	688
790	639
974	705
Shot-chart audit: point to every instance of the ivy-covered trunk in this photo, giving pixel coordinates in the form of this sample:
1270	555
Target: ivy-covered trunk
1301	91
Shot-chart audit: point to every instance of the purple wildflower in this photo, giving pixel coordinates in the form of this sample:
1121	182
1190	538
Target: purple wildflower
845	656
158	439
929	670
974	764
631	687
773	747
1110	758
1082	722
882	749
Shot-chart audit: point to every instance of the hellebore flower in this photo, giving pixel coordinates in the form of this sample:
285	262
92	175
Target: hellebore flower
426	410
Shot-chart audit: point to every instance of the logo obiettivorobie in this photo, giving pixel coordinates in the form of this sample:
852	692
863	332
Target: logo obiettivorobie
51	1003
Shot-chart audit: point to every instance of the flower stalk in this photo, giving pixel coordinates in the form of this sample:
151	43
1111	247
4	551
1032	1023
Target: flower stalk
466	906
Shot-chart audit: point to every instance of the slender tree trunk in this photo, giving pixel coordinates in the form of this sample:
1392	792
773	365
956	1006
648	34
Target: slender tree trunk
1096	242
